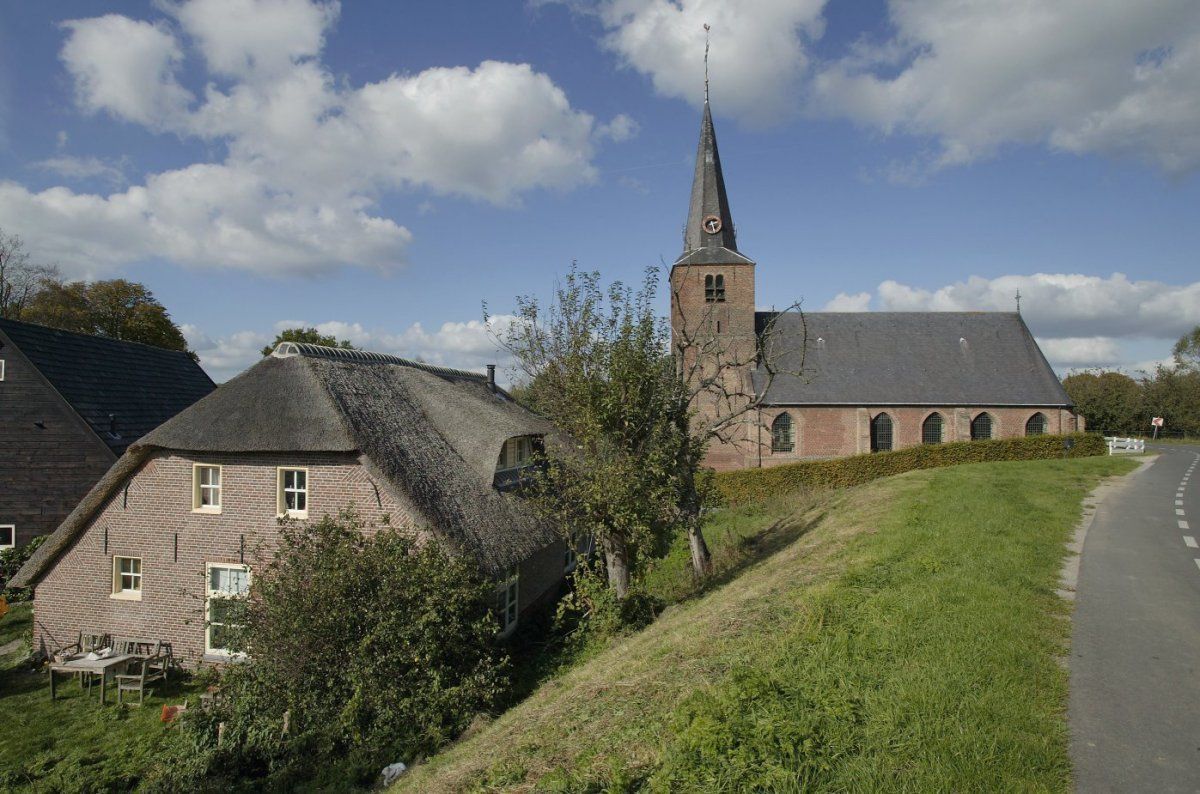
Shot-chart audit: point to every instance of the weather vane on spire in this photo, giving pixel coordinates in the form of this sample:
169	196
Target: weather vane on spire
706	30
1018	301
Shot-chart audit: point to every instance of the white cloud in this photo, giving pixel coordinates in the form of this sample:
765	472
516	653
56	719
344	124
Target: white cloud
1080	321
757	57
125	67
306	156
1083	76
1064	304
463	345
84	168
1090	351
845	302
239	38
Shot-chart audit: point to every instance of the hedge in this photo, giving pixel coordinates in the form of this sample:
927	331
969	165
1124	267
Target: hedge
738	487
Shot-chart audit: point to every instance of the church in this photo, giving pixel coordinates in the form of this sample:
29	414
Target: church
786	386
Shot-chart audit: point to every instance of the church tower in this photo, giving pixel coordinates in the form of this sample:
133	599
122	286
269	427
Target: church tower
712	291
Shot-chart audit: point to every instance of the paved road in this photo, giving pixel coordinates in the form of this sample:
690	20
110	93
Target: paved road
1135	652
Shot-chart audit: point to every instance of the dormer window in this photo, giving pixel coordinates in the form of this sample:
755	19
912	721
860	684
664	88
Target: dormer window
714	288
515	454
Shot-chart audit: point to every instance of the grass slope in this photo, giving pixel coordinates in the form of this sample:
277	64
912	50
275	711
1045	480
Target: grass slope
899	635
72	744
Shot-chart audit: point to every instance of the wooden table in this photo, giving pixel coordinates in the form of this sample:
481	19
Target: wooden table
106	668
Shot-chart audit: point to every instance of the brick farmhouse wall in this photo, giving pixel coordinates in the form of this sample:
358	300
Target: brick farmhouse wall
152	518
838	431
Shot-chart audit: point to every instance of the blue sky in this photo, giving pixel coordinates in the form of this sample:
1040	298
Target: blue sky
381	169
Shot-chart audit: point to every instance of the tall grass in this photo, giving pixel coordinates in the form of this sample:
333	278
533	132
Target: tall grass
902	635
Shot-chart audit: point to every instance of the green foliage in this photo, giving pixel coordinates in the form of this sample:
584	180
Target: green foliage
740	487
11	561
117	309
377	648
1111	402
308	336
597	365
1173	394
1187	350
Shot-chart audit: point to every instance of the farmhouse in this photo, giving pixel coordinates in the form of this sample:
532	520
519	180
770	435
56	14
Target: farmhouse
177	525
829	384
70	405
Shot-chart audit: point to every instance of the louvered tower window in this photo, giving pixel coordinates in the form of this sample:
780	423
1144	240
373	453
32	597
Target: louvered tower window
1036	426
714	288
981	427
783	437
931	429
881	433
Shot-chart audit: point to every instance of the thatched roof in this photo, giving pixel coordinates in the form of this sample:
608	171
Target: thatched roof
431	434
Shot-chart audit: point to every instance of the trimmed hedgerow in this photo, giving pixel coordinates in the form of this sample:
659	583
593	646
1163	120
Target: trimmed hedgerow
739	487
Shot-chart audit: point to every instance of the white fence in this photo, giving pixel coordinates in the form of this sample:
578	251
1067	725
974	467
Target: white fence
1118	446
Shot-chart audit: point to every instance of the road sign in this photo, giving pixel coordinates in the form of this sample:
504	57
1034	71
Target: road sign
1157	421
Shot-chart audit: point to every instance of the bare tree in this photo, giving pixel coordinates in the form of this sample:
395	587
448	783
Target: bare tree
727	372
20	278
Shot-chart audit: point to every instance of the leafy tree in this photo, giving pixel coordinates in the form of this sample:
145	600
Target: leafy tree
1187	350
597	364
20	278
1174	394
1111	402
117	309
389	663
306	335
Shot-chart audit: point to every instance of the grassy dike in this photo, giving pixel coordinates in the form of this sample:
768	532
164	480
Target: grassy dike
899	635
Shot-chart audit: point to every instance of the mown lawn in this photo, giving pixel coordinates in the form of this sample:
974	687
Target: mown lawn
903	635
72	744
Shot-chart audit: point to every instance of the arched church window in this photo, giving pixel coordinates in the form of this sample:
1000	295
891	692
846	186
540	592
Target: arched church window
931	429
981	427
881	433
714	288
1036	426
783	434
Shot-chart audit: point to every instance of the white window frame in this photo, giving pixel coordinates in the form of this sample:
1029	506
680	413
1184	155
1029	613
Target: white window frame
12	529
511	451
197	488
118	589
209	595
281	492
1	369
508	601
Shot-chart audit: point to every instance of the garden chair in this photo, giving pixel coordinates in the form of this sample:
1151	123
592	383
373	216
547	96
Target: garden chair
144	671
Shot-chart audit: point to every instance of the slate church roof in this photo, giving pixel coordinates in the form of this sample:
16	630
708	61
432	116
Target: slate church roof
123	390
430	436
907	358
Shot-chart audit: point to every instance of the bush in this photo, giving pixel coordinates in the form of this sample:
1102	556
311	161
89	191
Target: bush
377	649
739	487
11	561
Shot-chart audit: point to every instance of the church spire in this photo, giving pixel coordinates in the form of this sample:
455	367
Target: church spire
709	237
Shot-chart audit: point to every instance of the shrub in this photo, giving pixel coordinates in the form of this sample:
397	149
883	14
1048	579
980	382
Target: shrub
11	561
739	487
376	649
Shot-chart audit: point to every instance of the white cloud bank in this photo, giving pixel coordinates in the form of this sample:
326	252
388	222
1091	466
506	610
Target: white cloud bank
463	345
1109	77
305	155
1080	321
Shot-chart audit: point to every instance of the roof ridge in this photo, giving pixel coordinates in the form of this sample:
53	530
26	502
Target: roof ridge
309	350
99	337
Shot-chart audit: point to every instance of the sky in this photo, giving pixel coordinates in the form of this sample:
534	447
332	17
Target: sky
383	170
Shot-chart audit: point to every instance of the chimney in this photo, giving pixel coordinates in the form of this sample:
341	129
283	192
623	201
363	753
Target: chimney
491	377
